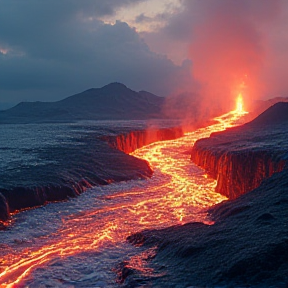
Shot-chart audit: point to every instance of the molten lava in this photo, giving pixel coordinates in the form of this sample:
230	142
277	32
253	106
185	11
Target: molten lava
179	192
239	106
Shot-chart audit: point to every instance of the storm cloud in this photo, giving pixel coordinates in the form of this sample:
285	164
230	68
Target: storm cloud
51	49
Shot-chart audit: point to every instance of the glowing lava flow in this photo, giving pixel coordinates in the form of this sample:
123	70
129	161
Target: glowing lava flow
239	107
177	193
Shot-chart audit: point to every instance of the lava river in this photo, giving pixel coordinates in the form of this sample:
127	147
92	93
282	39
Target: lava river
79	242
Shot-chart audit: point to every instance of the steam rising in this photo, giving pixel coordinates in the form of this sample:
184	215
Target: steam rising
228	47
232	48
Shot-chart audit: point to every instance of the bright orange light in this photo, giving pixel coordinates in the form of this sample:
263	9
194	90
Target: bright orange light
239	105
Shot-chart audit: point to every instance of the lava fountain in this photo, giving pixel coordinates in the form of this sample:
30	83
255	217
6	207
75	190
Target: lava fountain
239	105
179	192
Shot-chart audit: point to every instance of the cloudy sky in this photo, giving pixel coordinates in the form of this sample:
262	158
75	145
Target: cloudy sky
52	49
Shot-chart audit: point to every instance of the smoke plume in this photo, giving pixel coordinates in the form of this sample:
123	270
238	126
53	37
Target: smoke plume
229	48
235	47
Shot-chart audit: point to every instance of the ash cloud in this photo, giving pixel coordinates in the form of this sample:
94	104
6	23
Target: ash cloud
235	47
228	47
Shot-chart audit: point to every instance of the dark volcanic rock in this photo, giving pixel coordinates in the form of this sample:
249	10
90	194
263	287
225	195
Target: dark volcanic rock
248	244
242	157
4	209
69	171
80	159
136	139
259	106
112	102
278	113
246	247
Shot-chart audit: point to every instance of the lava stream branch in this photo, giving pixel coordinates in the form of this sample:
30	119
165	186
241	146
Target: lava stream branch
178	192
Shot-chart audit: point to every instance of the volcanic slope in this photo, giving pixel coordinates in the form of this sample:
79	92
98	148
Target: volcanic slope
112	102
248	244
259	106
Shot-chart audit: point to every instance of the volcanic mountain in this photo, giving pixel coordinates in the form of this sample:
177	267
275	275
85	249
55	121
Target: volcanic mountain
112	102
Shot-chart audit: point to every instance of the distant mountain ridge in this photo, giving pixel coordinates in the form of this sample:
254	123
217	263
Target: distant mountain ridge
114	101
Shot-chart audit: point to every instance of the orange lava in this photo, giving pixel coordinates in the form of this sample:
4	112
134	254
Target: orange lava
177	193
239	104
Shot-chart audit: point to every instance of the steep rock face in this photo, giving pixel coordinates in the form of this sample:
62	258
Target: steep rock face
65	171
242	157
131	141
238	170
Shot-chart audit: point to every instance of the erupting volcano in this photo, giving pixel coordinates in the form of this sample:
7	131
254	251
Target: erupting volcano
179	192
178	179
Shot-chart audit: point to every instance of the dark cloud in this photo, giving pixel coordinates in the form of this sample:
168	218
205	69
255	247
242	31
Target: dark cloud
60	47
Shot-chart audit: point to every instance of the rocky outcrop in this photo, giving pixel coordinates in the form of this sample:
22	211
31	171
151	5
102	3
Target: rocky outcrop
129	142
239	169
73	171
242	157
